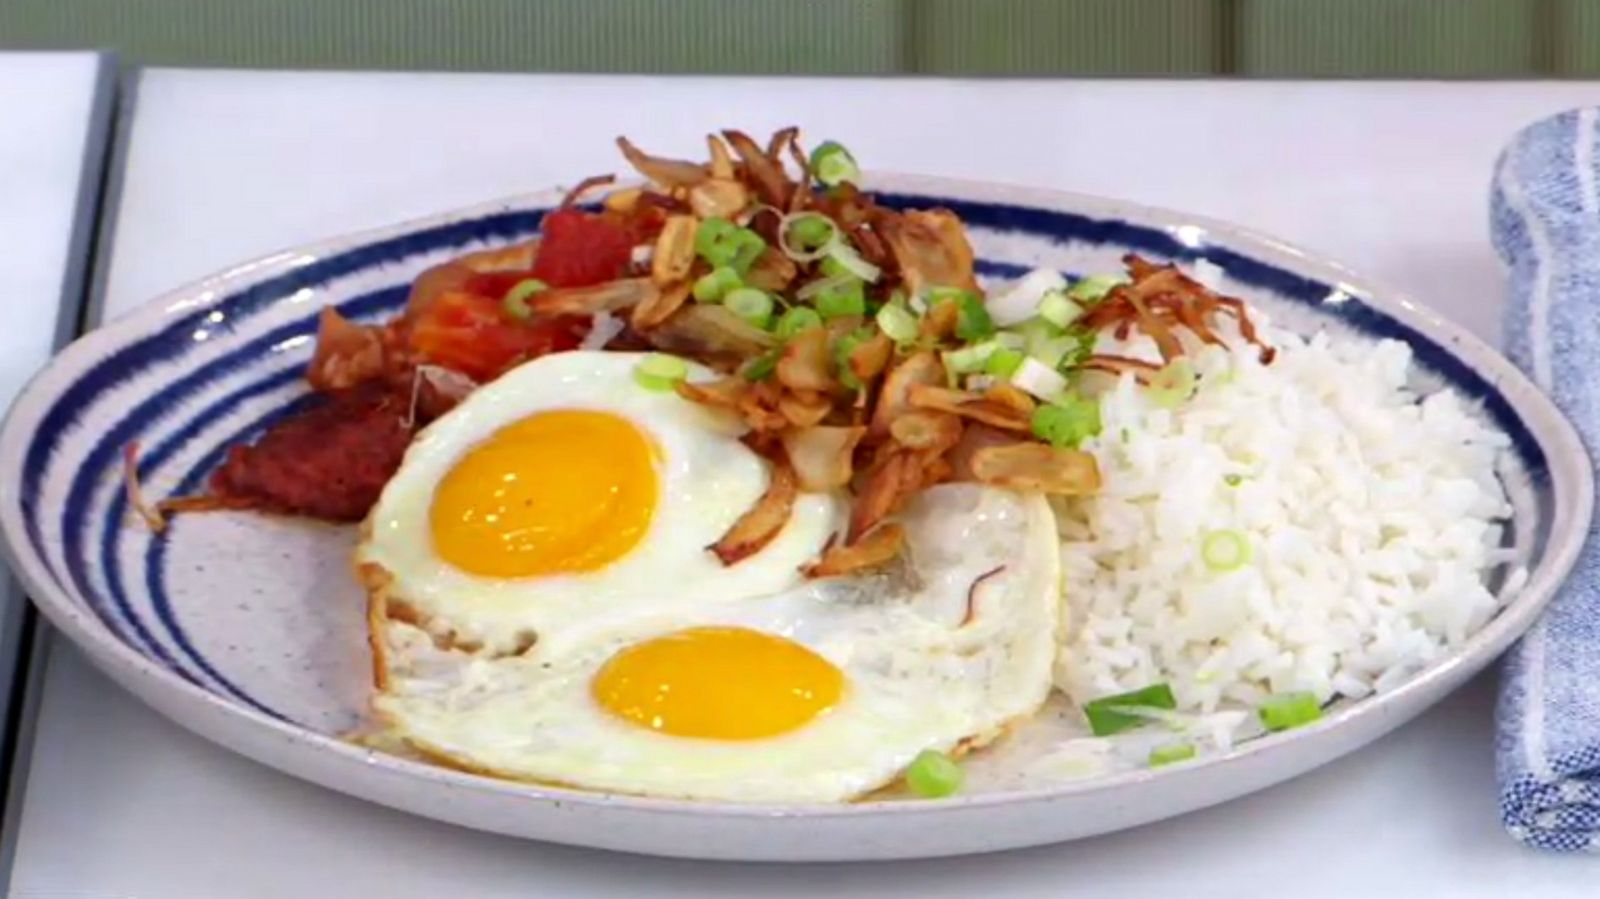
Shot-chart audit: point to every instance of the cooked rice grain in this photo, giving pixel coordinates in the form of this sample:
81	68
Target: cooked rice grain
1372	517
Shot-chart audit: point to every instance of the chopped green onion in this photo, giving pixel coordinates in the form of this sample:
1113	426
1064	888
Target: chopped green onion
1173	384
898	323
724	244
833	165
934	775
849	260
1056	309
1286	710
1039	380
1045	342
839	301
1105	719
973	322
1224	551
658	371
750	304
831	268
761	367
971	359
842	348
711	234
1083	347
1068	421
713	287
1094	287
1004	362
804	236
796	320
515	303
1170	753
1233	480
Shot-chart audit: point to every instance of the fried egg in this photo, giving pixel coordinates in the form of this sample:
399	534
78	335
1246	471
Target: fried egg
817	692
564	491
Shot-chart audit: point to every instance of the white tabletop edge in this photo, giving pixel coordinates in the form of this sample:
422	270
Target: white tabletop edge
61	144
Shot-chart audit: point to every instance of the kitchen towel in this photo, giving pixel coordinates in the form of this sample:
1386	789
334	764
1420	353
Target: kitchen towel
1545	223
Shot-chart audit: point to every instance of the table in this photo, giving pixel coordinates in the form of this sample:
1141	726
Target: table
54	114
1388	177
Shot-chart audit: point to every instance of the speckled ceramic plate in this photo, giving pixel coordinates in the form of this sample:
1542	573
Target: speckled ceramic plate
249	629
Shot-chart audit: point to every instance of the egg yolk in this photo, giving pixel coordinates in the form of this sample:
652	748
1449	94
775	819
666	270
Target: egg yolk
557	492
719	683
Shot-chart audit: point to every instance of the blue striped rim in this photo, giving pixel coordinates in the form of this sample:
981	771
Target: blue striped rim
174	343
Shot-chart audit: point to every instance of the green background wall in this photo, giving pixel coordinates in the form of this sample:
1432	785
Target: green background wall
1274	38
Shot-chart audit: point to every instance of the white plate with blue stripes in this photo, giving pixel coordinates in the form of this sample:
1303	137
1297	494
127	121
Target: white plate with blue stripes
249	630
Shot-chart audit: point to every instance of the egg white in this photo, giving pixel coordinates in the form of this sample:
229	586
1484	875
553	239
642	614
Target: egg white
706	479
920	672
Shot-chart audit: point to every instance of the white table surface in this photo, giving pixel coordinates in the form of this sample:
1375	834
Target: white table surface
51	138
1389	178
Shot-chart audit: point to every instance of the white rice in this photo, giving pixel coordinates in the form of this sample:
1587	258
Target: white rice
1372	516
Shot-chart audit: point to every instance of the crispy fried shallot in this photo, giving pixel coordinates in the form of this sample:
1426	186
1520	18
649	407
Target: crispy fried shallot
713	335
771	185
1037	468
657	309
930	247
821	456
667	173
756	527
135	494
997	411
804	364
873	550
347	353
585	186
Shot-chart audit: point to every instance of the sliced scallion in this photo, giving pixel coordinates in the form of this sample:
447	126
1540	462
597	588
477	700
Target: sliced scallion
843	347
1068	421
846	299
515	302
1003	362
1105	719
725	244
970	359
846	257
761	367
1094	287
796	320
1058	310
934	775
973	321
1224	551
1173	384
1171	753
1038	379
712	287
897	323
750	304
1287	710
659	371
833	165
806	236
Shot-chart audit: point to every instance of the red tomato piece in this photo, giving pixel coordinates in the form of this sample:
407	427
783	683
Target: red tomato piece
470	333
578	249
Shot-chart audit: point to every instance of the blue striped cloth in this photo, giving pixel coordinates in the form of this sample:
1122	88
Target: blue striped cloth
1545	222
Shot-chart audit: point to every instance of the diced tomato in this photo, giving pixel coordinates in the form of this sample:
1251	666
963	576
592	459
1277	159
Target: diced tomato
471	334
580	248
495	285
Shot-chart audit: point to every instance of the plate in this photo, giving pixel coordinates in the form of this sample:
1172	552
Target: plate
249	629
